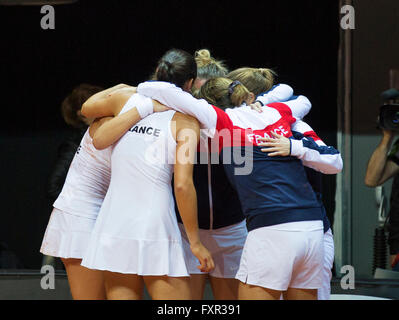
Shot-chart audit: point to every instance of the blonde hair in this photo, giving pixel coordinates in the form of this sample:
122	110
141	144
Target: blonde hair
224	93
257	80
209	67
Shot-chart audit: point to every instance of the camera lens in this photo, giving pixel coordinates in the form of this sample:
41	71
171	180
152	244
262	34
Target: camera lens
395	118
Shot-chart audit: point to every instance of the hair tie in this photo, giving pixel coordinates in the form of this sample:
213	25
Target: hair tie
232	86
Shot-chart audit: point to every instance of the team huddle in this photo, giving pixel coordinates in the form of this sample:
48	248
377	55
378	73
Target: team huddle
199	173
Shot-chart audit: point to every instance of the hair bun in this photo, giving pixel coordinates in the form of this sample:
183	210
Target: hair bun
203	57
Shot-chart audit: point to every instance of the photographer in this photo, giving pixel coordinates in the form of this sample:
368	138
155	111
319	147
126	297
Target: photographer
383	165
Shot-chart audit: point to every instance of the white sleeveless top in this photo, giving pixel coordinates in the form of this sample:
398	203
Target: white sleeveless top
142	167
89	174
136	231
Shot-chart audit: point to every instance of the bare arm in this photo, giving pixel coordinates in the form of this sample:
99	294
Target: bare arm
107	103
113	129
187	137
379	168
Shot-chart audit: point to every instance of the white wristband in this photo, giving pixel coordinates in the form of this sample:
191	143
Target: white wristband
145	107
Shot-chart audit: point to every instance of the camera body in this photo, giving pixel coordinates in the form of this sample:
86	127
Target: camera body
389	117
389	112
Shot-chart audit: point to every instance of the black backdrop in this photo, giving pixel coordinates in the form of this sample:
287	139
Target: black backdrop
110	42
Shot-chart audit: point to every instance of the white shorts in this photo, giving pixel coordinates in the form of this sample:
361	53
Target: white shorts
324	292
284	256
225	245
67	235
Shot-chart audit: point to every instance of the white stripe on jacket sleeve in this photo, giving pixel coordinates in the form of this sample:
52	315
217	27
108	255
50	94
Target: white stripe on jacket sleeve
314	154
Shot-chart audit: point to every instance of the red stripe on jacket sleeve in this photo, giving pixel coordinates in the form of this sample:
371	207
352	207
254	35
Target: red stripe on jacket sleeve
312	134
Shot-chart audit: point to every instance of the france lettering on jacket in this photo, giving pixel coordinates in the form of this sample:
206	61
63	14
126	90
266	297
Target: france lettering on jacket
229	134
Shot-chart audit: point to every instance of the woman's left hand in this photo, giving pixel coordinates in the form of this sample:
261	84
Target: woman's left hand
256	106
277	146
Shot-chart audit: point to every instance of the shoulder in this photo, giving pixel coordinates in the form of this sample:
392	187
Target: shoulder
186	121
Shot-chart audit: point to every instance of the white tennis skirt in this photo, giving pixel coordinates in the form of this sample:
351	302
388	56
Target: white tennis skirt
137	244
67	235
225	245
136	256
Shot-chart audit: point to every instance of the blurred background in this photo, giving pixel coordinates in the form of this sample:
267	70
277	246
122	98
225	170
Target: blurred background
103	43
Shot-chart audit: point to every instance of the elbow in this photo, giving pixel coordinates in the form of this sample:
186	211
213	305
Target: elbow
182	188
99	144
308	104
88	108
85	110
289	89
370	182
337	168
371	179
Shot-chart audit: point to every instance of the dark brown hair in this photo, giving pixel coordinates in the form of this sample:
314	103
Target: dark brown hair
73	103
176	66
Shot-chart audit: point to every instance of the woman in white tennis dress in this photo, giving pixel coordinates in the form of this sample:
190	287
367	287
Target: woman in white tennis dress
76	209
136	238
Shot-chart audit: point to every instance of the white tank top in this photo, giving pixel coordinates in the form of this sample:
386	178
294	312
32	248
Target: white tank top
139	203
89	174
146	153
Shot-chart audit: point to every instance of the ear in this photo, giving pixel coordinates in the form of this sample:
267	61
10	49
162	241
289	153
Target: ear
188	85
198	83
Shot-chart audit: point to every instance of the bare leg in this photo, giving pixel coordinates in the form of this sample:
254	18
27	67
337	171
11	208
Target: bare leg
197	285
248	292
224	289
85	284
168	288
300	294
123	286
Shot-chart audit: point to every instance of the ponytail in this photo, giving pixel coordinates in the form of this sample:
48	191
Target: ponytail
269	76
164	71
